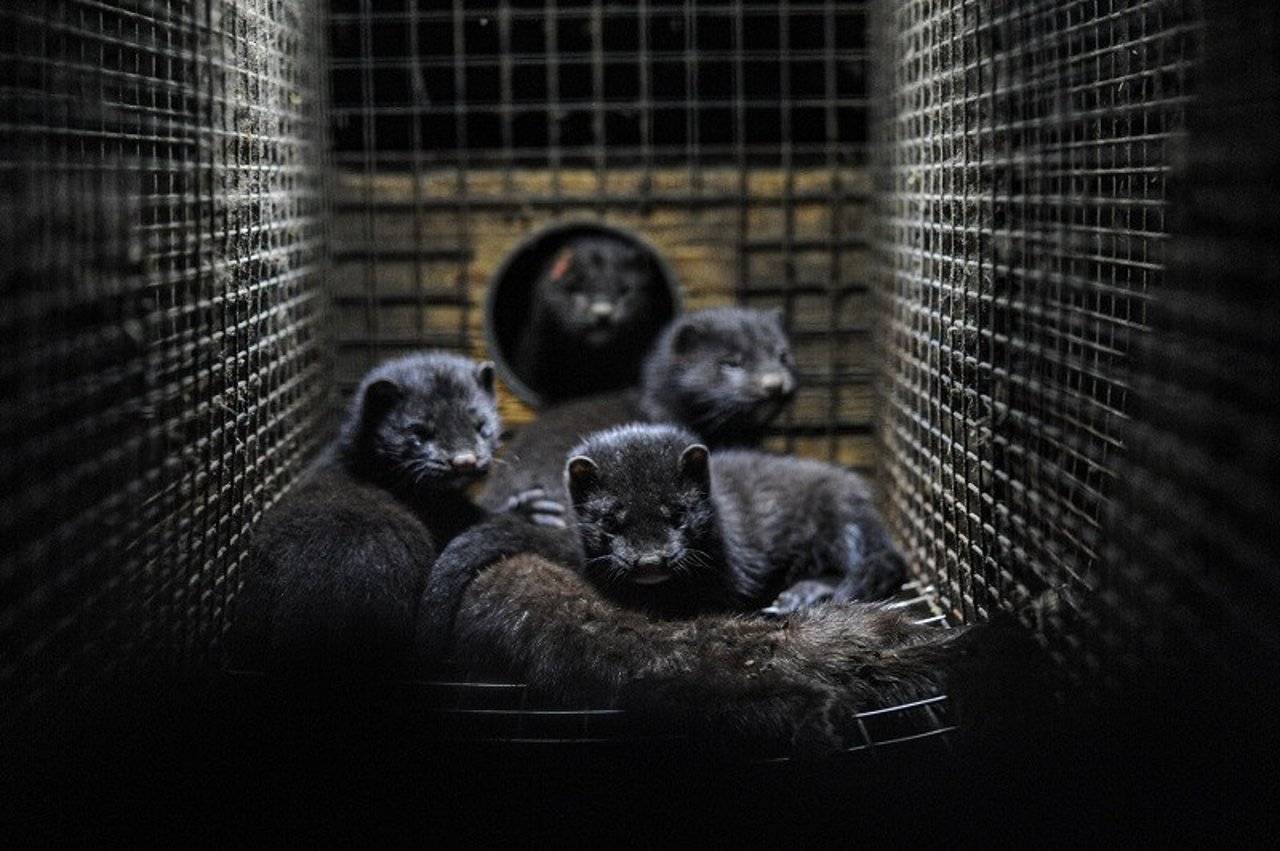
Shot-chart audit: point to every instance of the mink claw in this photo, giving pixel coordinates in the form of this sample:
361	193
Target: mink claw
517	502
547	506
534	505
801	595
525	500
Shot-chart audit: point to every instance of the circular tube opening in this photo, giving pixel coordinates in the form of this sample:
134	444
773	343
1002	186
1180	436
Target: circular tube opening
509	301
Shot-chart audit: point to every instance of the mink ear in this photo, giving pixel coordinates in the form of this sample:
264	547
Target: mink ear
582	475
686	337
562	264
695	466
484	375
379	397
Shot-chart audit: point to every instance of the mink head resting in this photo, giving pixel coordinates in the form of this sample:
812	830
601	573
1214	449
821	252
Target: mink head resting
424	421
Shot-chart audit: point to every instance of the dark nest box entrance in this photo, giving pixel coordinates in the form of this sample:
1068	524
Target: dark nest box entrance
508	313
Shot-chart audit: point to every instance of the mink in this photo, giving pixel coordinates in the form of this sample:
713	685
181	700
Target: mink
336	567
672	528
592	317
725	373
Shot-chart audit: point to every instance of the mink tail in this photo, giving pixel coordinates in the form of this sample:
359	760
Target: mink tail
796	682
484	544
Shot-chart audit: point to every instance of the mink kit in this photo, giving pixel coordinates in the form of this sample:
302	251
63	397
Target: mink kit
336	566
673	529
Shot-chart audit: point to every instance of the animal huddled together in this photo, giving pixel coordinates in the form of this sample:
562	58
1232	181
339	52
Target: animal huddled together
634	546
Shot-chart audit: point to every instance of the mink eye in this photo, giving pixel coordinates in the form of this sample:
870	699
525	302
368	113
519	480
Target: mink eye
611	521
482	427
784	357
421	432
733	361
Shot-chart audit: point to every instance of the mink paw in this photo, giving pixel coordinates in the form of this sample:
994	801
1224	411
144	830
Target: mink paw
802	595
534	506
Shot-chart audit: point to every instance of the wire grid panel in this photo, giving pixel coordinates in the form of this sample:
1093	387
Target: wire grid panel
1192	561
731	136
1024	149
160	320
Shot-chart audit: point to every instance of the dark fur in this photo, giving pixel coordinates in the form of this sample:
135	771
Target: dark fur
795	681
733	530
724	373
336	568
690	379
591	319
481	546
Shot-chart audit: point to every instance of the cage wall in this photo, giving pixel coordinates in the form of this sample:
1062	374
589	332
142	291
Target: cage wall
161	345
1190	567
1024	152
1066	403
731	136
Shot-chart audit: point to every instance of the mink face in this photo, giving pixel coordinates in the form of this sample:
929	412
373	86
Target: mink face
594	313
725	373
642	499
596	289
424	423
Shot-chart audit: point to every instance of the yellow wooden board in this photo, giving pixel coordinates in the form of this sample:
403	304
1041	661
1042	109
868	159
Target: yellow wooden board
414	253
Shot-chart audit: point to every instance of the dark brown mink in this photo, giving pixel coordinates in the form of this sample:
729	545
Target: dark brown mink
336	568
723	372
672	528
661	525
591	319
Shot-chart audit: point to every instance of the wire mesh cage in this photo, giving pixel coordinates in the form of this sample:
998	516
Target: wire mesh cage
163	367
1025	252
1023	218
730	136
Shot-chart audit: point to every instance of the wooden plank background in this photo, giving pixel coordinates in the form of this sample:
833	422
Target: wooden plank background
414	252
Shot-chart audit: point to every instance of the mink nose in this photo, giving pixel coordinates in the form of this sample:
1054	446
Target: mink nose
652	561
464	462
601	311
774	383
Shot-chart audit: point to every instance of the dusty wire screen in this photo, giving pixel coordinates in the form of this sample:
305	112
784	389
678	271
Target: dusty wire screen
1194	538
161	221
729	135
1024	151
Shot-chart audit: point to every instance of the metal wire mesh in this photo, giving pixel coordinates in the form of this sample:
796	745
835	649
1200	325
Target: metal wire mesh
162	240
1025	148
729	135
1177	645
1057	410
1191	562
